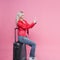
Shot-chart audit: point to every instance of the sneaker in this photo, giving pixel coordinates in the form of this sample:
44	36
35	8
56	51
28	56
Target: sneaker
32	58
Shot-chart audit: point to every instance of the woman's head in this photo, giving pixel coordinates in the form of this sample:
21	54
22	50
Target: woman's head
20	15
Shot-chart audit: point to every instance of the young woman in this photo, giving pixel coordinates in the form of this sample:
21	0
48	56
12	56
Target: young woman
23	28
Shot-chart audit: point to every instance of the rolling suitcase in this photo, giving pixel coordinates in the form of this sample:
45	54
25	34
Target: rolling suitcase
19	50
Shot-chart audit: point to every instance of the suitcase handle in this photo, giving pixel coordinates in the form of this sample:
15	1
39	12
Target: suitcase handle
15	33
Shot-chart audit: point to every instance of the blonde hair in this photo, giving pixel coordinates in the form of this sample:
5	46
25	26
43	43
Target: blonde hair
19	14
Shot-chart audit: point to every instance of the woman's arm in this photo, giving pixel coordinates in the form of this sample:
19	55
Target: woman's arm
30	25
26	25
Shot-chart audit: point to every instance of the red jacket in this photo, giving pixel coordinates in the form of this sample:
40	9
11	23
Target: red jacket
23	26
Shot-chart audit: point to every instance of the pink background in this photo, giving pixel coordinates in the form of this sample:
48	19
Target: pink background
46	33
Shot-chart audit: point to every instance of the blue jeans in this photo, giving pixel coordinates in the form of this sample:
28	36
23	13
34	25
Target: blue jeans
25	40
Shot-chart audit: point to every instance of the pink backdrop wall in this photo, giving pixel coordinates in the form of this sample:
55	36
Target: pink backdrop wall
46	33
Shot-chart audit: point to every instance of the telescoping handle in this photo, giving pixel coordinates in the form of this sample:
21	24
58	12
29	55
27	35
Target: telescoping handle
15	33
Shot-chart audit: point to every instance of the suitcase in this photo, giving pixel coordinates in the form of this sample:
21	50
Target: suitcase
19	50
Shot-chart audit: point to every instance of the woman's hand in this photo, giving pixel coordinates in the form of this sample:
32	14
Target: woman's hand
35	21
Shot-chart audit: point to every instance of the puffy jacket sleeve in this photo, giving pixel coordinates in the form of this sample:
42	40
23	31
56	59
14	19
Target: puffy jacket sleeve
26	25
30	25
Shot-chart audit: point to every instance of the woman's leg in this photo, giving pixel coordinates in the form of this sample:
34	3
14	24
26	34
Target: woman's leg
30	43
